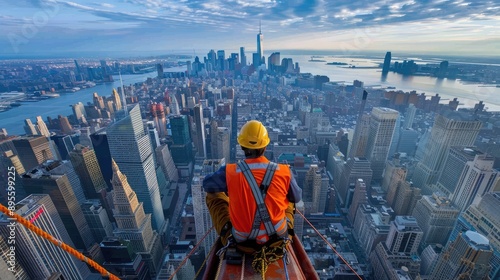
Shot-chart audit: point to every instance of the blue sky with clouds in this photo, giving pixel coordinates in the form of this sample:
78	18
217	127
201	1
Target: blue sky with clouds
435	26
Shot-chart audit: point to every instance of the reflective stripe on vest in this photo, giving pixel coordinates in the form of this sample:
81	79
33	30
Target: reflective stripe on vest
243	236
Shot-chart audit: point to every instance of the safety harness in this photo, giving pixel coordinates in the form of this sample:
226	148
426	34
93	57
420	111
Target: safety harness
267	254
259	194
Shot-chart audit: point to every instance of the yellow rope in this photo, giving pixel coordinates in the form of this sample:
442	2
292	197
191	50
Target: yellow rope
190	253
243	267
266	256
221	259
205	261
57	242
329	244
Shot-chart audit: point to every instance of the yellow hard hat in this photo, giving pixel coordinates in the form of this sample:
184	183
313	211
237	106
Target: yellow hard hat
253	135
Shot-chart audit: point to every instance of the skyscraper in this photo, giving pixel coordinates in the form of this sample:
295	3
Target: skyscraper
314	190
122	261
467	257
32	151
360	136
477	179
355	168
101	146
42	127
221	58
133	223
182	151
451	128
260	47
243	57
97	219
274	62
200	131
8	270
358	198
202	217
158	112
159	70
394	172
174	106
40	257
387	63
87	167
29	128
484	219
410	116
130	147
405	198
404	235
167	163
436	216
116	100
79	111
98	101
382	124
55	179
222	142
453	167
66	127
398	254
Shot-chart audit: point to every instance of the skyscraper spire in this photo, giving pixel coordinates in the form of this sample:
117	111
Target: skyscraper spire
260	27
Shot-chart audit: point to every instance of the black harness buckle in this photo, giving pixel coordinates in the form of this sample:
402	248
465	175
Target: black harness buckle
233	256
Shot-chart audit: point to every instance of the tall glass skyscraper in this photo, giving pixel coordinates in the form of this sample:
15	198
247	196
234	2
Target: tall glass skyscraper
130	147
260	49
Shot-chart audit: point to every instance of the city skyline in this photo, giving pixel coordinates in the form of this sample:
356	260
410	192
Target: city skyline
452	27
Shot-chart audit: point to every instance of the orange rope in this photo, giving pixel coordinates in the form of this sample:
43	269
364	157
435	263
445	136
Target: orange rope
190	253
331	246
57	242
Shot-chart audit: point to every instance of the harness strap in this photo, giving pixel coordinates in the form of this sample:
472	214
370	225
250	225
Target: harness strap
263	213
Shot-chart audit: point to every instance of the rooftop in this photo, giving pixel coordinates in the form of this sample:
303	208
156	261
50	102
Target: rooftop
477	240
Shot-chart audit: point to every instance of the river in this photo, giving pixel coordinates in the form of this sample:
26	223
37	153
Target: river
13	119
467	94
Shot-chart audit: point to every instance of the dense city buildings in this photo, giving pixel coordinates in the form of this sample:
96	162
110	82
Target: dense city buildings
54	179
394	198
450	129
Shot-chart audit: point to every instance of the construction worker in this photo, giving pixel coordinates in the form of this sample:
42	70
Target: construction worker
235	191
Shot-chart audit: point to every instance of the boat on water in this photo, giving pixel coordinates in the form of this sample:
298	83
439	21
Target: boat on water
51	95
313	59
337	63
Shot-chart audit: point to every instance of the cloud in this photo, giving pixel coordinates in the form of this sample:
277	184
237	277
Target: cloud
107	5
240	18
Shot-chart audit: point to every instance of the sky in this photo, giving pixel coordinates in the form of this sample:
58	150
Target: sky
454	27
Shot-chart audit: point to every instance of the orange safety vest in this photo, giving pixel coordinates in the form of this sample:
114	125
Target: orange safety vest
242	205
